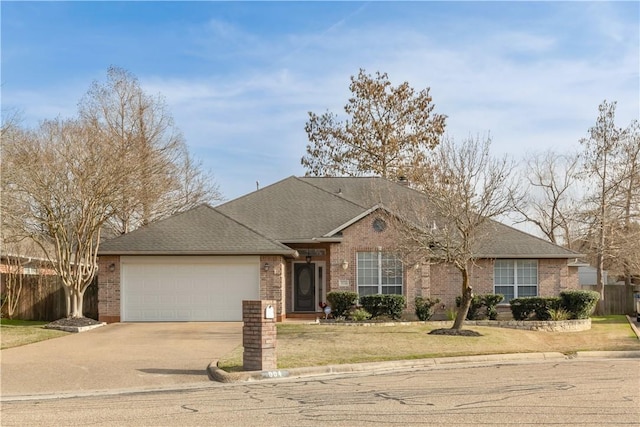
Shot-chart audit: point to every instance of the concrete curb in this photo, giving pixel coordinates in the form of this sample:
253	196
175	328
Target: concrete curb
217	374
75	328
634	327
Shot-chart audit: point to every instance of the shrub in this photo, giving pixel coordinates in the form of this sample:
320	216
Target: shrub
341	302
424	307
542	305
491	301
520	309
536	307
579	303
359	314
474	308
559	314
383	305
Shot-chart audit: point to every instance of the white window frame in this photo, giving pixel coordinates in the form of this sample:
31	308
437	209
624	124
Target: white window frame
517	266
379	256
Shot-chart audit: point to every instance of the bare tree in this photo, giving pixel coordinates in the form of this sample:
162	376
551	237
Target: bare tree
143	133
605	171
466	188
120	165
194	186
388	131
625	238
550	202
13	283
58	183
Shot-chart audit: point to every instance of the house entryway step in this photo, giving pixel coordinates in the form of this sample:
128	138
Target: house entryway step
304	316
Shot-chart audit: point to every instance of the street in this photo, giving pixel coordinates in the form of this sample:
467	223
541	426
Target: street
586	392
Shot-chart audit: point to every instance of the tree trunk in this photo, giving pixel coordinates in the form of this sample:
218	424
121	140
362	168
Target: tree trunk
600	259
77	303
67	298
467	296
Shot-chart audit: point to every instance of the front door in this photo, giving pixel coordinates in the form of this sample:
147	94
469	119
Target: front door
304	287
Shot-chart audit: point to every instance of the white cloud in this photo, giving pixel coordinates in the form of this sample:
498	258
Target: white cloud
243	113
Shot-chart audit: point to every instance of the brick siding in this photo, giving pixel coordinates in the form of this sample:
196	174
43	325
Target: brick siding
109	289
272	283
258	337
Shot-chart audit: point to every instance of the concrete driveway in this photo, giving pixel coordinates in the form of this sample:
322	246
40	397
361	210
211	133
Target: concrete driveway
118	356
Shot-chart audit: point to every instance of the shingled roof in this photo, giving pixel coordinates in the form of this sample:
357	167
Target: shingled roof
303	210
200	231
292	210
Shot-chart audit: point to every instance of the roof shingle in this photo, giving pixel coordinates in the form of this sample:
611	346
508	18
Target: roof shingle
201	230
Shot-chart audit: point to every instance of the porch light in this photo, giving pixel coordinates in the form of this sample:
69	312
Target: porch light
112	267
345	264
266	266
308	259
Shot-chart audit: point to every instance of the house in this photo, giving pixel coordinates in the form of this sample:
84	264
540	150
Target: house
293	242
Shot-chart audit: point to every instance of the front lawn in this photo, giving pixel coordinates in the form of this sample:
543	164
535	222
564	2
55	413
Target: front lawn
14	333
302	345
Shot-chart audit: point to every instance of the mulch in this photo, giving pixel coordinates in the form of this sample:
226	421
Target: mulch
456	332
76	322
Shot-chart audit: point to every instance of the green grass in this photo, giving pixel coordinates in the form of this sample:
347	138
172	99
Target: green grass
300	345
14	333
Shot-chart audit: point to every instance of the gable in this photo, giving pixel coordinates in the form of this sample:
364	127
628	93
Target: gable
502	241
292	210
307	209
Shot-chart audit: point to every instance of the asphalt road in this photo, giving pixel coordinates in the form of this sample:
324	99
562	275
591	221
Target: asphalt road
589	392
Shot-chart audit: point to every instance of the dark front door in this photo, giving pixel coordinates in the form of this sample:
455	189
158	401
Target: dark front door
304	287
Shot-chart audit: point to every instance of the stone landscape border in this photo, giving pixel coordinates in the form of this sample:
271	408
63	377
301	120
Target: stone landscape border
74	329
574	325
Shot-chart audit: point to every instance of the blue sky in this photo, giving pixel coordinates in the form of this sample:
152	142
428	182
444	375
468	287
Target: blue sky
240	77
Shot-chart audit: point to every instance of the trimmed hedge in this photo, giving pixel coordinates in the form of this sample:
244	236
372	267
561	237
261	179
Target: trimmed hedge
534	307
489	301
579	304
424	307
383	305
341	302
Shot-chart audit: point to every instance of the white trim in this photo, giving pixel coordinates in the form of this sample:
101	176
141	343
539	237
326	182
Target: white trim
316	278
380	253
356	219
515	283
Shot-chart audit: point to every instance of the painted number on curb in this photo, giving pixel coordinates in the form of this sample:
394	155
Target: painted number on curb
275	374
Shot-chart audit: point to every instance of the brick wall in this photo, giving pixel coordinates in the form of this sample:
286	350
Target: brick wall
446	281
109	289
258	337
272	283
362	237
555	276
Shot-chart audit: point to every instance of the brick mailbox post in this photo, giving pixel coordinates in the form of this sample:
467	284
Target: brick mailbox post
259	335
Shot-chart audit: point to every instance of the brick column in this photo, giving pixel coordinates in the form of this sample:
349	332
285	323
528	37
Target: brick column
258	336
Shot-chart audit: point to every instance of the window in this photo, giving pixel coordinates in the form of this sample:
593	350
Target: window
379	273
29	271
515	278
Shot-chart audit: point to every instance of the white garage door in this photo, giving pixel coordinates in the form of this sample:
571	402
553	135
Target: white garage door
170	289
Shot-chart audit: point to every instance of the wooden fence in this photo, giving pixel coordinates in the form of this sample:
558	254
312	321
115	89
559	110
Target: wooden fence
618	299
42	298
